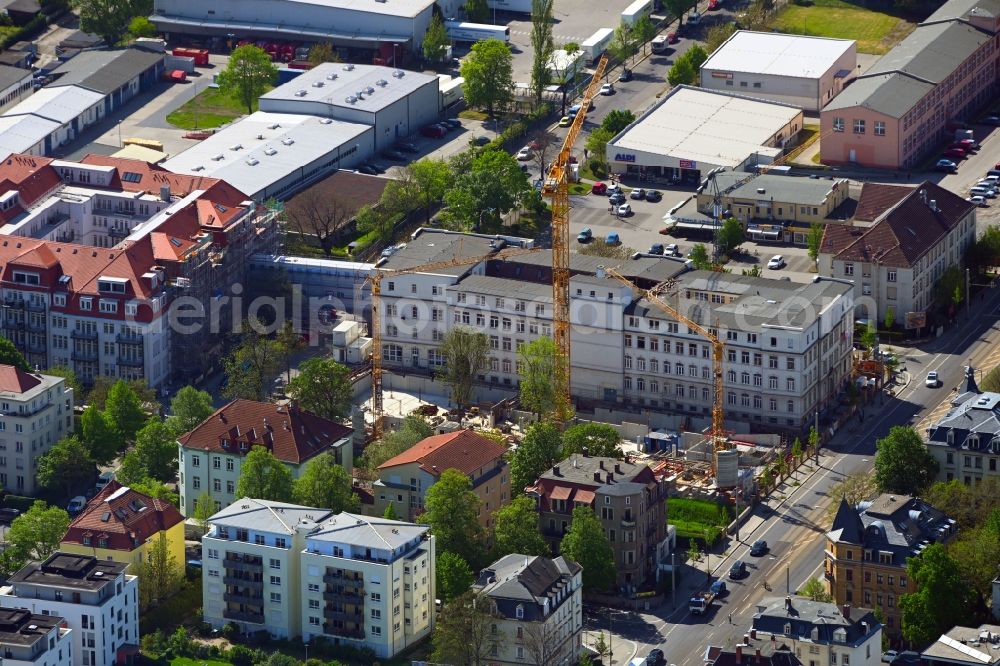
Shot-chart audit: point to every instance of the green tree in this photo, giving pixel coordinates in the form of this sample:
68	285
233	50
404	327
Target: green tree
797	449
941	599
154	455
541	47
869	338
249	365
454	576
188	409
813	441
159	573
436	40
623	44
538	451
991	381
677	8
697	56
323	387
9	355
156	490
430	179
491	181
515	530
263	476
477	11
99	434
288	342
950	288
411	430
124	410
140	26
718	34
536	372
390	512
326	485
71	381
375	219
109	19
970	506
322	52
463	634
977	554
249	74
597	143
489	76
36	534
753	271
730	235
902	464
682	73
466	355
890	318
699	257
204	508
814	241
586	544
617	120
66	465
600	439
452	511
644	31
815	590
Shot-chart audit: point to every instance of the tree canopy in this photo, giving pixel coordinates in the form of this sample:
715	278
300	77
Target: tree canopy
36	534
188	409
326	485
66	464
263	476
486	185
515	530
436	40
541	46
323	387
941	599
452	511
9	355
250	364
730	235
536	372
454	576
902	463
467	355
489	76
249	74
103	440
463	634
538	451
110	19
411	430
154	455
586	544
617	120
600	439
124	410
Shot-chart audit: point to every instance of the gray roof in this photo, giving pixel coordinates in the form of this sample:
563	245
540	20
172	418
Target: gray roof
366	531
932	52
976	413
656	269
22	627
896	524
790	189
10	76
580	469
436	246
70	571
804	615
526	580
890	94
958	9
267	516
495	286
104	71
967	645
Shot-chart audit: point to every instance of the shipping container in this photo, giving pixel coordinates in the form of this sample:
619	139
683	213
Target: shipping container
200	55
637	10
597	44
474	32
519	6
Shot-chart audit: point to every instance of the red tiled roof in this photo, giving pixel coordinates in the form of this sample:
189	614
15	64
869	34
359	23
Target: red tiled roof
125	517
291	434
15	380
464	450
561	493
153	176
876	198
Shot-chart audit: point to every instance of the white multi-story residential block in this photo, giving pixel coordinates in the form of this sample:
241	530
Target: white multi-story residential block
27	639
787	345
36	411
539	608
95	598
369	583
825	633
251	565
211	456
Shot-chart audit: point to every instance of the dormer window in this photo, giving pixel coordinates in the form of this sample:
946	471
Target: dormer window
20	277
974	441
59	300
788	628
107	285
840	635
86	303
951	437
519	612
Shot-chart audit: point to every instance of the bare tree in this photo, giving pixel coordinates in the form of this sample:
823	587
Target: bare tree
543	643
464	632
542	140
321	216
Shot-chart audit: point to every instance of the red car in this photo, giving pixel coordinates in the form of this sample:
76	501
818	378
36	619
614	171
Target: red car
968	145
713	5
599	188
954	154
672	38
432	131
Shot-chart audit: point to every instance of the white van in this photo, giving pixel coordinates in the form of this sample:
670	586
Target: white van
660	44
982	192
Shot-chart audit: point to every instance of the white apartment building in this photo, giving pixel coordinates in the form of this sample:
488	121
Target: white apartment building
539	606
210	457
251	567
907	237
369	583
95	598
788	345
27	639
36	411
819	633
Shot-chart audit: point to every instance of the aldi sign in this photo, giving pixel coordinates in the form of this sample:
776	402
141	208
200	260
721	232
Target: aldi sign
624	157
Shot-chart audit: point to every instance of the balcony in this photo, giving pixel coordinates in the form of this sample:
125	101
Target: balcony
343	632
82	334
37	348
354	616
36	326
339	579
250	566
14	303
244	597
133	362
242	616
628	524
243	582
13	323
129	339
344	596
35	306
86	356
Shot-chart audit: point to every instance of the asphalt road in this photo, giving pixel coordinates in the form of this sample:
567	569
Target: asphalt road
795	525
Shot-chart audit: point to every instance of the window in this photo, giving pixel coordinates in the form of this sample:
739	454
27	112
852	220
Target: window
859	126
838	124
879	128
276	597
891	276
275	580
275	563
519	612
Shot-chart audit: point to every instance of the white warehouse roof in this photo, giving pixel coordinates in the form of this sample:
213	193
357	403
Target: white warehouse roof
264	148
366	87
707	127
777	54
19	134
62	104
406	8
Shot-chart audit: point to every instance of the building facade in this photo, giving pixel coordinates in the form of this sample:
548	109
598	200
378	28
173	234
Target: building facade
895	263
97	600
27	639
121	524
868	547
539	610
210	457
821	634
37	411
965	442
404	479
629	500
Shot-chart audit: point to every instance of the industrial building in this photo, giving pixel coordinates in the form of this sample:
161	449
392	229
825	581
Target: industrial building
363	24
692	131
15	84
395	102
117	75
72	108
806	72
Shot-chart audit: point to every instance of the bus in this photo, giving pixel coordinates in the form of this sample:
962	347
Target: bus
474	32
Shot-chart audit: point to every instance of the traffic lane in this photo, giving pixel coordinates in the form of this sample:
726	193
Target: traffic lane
976	165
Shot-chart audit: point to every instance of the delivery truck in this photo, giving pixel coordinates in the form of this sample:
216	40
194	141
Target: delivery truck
595	45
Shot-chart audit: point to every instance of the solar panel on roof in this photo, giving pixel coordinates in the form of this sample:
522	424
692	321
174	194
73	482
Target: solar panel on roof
131	177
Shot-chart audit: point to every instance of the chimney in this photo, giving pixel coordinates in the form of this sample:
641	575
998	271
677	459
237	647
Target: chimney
555	471
586	452
618	468
846	609
610	477
774	639
753	634
597	477
601	464
600	272
739	654
788	603
757	656
933	205
165	192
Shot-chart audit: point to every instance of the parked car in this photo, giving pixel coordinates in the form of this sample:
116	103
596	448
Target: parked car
718	588
637	194
612	239
991	120
672	250
523	154
653	196
453	123
607	89
565	121
616	198
776	262
76	505
626	75
614	188
655	248
393	155
978	200
624	210
432	131
987	192
758	548
738	570
672	38
104	479
367	170
946	166
889	656
585	236
407	147
694	18
968	145
655	658
479	140
713	5
7	515
598	188
576	107
932	380
954	154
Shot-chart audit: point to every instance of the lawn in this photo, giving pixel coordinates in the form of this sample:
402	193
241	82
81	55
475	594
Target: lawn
187	661
692	517
208	109
876	32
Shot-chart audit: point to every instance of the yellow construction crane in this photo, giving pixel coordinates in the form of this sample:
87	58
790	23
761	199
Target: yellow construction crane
556	187
655	296
375	280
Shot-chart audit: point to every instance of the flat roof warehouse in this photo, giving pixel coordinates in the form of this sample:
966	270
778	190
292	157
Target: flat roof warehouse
777	54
